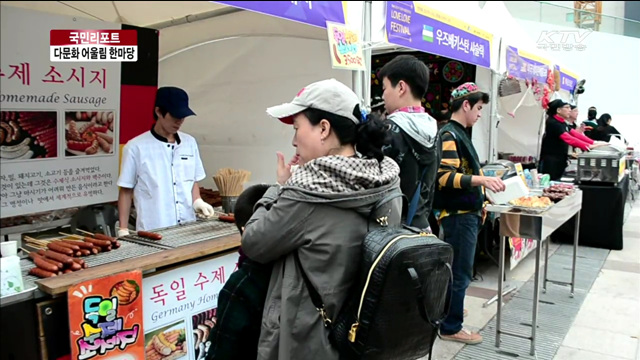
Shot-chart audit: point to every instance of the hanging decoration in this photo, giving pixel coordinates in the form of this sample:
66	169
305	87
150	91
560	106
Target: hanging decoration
549	89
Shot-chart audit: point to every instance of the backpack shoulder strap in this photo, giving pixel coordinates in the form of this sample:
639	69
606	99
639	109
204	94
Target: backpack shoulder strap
316	299
413	205
382	220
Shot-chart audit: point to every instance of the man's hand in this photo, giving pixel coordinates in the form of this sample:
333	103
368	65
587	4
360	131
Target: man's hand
202	208
494	184
123	232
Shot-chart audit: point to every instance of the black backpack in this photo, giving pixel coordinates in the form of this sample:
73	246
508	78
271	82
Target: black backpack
396	305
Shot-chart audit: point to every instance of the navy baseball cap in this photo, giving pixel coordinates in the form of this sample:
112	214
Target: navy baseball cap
175	101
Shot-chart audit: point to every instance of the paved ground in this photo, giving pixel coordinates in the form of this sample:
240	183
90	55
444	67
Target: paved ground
607	325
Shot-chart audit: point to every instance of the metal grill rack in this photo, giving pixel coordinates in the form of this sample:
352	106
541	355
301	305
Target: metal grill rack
190	233
133	246
127	250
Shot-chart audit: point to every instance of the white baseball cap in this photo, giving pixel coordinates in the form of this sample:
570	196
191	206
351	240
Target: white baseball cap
329	95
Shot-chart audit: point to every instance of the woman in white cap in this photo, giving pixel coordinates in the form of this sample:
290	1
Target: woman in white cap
318	214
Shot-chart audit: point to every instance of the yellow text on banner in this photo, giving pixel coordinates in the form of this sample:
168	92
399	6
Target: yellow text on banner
452	21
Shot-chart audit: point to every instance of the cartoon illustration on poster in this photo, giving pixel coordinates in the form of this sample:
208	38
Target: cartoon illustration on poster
520	248
167	343
203	323
105	318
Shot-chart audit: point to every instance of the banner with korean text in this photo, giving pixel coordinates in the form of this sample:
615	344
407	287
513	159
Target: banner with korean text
315	13
416	26
568	80
59	120
184	302
526	66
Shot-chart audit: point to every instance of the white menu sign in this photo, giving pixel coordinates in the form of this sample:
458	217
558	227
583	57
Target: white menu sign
180	307
59	121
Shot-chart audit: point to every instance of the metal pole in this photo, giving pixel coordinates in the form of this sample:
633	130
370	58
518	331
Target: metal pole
503	239
576	235
193	18
509	290
536	299
495	75
546	262
366	77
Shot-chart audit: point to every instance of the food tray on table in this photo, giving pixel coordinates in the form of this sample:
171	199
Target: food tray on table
531	204
531	210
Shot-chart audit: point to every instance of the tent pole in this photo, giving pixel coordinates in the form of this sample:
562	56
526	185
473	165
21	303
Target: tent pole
239	36
193	18
366	77
493	130
493	114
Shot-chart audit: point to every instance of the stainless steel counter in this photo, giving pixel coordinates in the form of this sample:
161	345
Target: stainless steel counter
539	227
516	223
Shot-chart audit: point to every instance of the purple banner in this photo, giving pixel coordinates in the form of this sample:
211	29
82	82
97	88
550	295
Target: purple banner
525	68
414	26
567	82
314	13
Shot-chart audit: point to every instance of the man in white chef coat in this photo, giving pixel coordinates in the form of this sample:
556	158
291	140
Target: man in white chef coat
161	169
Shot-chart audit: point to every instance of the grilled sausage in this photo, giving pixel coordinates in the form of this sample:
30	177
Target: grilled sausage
60	249
96	242
104	237
85	252
68	271
79	244
65	259
81	262
150	235
69	245
34	255
45	265
36	271
227	218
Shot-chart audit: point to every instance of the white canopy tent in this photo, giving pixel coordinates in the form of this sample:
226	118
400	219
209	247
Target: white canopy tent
234	64
519	135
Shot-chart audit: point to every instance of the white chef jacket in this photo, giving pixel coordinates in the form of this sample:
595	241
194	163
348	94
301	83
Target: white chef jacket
162	176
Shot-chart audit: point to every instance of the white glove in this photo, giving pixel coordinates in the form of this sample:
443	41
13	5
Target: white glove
203	208
123	232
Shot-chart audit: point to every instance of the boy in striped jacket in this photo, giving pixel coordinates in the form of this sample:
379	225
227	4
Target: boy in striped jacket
459	201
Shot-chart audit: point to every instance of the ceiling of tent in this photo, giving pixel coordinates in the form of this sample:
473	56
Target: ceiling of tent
139	13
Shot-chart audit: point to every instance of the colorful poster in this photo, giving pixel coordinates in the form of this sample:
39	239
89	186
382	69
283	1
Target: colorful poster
180	308
525	66
568	80
345	45
416	26
520	248
315	13
106	318
59	120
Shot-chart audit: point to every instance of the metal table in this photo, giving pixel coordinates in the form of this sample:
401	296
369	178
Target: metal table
539	227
